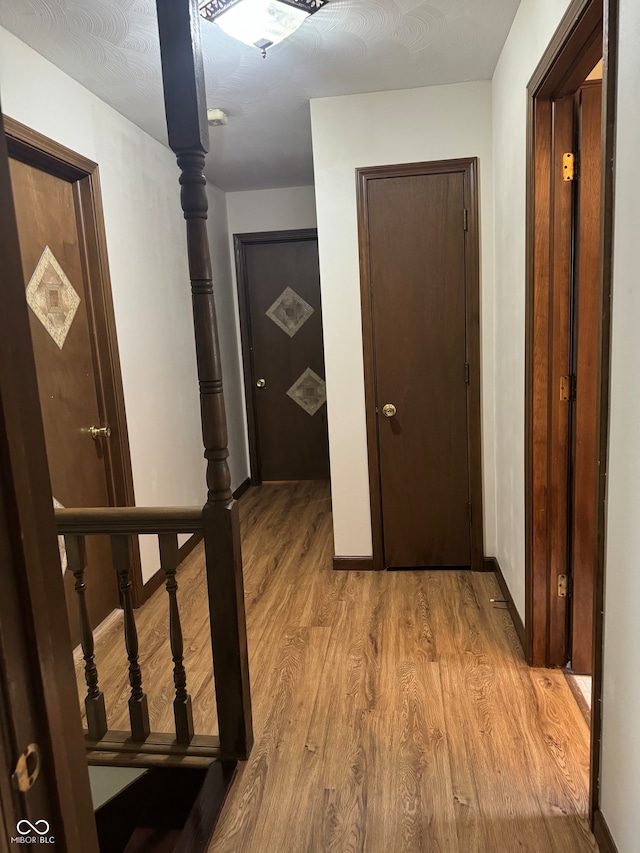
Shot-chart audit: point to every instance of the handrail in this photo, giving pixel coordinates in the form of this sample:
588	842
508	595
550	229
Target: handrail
128	520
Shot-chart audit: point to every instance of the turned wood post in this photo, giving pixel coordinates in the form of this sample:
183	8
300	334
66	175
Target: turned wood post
185	104
182	711
94	700
138	707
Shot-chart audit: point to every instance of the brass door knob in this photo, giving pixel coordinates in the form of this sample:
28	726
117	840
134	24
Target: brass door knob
99	432
389	410
261	383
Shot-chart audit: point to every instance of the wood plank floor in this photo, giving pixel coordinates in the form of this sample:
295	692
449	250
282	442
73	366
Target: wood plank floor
393	711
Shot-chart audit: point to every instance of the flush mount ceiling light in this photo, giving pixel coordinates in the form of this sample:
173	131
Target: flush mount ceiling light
259	23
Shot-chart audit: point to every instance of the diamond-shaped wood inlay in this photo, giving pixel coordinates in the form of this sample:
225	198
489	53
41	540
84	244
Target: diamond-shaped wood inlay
290	312
308	391
52	297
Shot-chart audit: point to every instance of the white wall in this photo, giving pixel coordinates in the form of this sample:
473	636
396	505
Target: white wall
620	770
147	259
434	123
248	212
107	782
271	210
532	29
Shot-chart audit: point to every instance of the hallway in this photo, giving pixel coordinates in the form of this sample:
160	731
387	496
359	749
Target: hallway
393	711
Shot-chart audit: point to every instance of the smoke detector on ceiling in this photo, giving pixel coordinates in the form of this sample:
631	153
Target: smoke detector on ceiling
216	117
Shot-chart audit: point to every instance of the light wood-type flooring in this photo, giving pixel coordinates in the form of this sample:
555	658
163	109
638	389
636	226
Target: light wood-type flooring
393	711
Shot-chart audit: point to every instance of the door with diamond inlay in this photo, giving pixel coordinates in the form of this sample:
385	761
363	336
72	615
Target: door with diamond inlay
279	285
58	260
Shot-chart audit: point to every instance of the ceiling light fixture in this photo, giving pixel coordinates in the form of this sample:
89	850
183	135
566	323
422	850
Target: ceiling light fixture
259	23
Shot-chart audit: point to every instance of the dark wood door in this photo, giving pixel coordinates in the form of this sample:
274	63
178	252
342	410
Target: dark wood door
587	317
557	490
60	319
416	227
286	378
39	712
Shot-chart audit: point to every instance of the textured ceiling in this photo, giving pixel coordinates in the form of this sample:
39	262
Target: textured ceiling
350	46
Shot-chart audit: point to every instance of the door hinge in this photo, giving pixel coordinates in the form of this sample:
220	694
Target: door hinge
568	166
564	586
568	387
465	214
466	372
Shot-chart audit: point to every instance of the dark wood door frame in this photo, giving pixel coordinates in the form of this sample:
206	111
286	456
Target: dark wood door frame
241	242
586	309
38	693
468	168
37	150
587	32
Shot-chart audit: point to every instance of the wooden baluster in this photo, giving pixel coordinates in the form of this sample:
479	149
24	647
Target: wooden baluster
182	703
138	710
94	701
185	103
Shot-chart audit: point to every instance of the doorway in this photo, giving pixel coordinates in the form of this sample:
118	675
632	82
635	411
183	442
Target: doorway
43	768
63	249
569	239
564	361
564	372
281	329
418	227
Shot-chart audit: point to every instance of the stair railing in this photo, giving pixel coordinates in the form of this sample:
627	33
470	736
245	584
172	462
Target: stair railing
140	745
188	133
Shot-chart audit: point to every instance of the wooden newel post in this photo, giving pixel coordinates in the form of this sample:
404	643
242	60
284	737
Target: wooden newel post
185	104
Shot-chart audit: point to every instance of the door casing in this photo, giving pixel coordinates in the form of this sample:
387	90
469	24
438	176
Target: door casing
587	33
37	150
38	692
468	167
